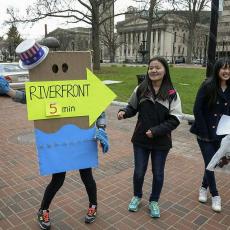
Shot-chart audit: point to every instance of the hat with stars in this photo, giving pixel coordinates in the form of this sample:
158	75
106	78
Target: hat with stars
31	53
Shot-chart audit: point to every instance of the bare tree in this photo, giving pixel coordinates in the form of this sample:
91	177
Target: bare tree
110	40
154	15
149	28
191	12
73	11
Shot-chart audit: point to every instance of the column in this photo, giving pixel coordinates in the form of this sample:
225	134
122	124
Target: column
122	50
145	38
162	43
156	43
127	45
123	46
131	44
151	45
141	37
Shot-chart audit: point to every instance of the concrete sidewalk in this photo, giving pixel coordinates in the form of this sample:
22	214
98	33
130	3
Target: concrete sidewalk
21	187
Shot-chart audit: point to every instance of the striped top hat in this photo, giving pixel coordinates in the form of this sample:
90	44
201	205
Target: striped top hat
31	53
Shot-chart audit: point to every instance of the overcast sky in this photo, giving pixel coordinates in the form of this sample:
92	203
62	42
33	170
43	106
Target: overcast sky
37	31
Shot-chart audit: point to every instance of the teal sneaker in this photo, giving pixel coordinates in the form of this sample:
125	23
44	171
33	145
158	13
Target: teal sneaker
154	209
134	203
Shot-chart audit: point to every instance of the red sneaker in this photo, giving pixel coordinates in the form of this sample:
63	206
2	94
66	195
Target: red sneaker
91	214
44	219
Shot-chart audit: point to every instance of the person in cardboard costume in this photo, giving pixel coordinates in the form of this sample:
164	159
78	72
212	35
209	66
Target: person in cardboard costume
65	137
212	102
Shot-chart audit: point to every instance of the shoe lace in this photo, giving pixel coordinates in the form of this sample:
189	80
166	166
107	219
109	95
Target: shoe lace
134	200
216	201
154	206
203	191
46	216
91	211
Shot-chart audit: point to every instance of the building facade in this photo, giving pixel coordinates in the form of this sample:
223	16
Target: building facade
107	29
169	38
77	38
223	35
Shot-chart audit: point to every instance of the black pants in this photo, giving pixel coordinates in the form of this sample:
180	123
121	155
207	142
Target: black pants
208	149
58	180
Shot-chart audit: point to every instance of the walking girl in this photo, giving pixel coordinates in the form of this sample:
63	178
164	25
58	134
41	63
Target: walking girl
212	101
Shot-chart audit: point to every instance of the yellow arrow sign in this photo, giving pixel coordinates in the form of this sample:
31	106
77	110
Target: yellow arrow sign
72	98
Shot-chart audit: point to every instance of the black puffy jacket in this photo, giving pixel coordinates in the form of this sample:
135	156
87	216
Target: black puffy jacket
161	117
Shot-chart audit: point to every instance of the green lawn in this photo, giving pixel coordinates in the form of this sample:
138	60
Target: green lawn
185	80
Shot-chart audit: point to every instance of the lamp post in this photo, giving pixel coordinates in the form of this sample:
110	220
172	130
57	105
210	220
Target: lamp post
173	53
212	37
205	50
50	42
73	45
142	50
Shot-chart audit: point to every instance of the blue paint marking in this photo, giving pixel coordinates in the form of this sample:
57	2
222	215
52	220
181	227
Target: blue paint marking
70	148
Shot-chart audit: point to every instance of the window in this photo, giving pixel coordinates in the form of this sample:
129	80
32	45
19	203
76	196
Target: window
174	36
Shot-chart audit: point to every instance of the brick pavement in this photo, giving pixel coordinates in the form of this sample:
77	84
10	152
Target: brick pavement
21	188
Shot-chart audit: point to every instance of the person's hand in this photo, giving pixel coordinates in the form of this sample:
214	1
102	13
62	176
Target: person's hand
120	115
223	161
101	136
4	86
149	134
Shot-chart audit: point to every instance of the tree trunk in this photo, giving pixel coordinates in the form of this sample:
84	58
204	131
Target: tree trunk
112	54
190	46
95	37
212	37
149	28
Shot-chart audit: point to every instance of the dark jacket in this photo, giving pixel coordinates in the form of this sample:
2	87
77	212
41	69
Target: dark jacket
161	117
207	119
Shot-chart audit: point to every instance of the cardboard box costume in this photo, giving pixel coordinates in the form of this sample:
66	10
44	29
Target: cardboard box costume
64	99
64	144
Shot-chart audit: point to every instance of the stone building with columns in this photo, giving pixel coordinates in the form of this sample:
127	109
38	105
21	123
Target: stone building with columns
168	38
223	35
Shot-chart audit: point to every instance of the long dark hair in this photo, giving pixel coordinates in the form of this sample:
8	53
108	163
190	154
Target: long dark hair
166	84
213	82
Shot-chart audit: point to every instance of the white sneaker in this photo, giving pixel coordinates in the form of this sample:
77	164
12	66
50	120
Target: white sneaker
203	195
216	203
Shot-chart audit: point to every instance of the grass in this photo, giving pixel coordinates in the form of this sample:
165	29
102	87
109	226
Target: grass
185	80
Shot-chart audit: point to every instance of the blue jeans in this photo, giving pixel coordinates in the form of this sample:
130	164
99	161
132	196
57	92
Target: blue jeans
141	158
208	149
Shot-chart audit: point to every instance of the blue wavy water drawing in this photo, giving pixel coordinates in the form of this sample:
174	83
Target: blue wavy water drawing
70	148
